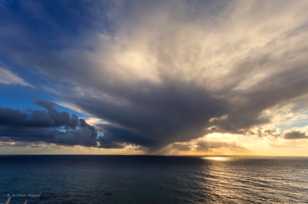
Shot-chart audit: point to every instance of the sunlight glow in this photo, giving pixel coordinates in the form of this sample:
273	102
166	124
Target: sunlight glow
218	158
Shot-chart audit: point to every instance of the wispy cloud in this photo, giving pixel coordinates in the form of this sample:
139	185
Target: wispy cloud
9	78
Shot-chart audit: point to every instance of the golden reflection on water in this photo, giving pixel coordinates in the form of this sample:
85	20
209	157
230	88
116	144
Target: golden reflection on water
221	181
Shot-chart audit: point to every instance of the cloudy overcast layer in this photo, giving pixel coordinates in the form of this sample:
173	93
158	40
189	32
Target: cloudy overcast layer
163	77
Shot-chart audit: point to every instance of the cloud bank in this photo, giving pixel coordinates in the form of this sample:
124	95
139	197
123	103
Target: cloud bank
49	126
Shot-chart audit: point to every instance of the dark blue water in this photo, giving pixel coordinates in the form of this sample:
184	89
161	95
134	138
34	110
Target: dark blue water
141	179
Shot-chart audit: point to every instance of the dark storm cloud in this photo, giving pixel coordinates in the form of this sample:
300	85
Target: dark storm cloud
116	137
294	135
159	73
158	114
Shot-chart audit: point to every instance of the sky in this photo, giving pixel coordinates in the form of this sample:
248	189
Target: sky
176	77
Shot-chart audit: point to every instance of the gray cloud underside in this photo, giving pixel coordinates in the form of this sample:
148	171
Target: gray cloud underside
171	70
294	135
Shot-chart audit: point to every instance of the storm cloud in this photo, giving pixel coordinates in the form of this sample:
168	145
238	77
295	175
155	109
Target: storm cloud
159	73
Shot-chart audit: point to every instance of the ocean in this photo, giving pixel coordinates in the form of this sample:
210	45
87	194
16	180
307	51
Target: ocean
152	179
